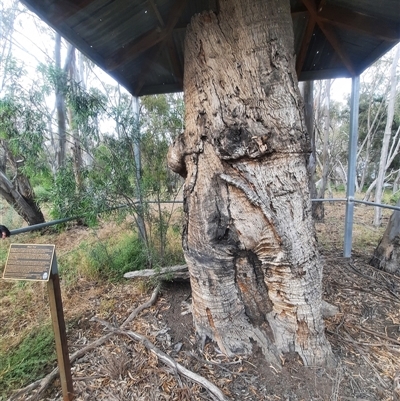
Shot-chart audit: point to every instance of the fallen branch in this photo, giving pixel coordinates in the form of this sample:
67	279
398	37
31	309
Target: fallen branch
374	333
42	384
146	305
179	272
166	359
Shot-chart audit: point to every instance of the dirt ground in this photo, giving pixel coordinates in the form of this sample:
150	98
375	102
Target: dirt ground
365	337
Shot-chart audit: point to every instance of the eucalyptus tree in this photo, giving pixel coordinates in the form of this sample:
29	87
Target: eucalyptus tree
248	239
21	138
387	154
22	125
380	141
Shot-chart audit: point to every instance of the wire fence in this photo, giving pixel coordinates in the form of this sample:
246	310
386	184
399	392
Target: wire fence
348	200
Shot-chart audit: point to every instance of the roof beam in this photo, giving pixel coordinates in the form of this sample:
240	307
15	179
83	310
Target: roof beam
175	65
62	10
133	49
305	43
145	69
156	12
330	36
359	22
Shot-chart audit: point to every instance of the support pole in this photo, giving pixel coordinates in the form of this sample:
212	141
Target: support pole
351	172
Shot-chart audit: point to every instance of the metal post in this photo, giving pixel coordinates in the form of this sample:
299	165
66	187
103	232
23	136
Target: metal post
351	172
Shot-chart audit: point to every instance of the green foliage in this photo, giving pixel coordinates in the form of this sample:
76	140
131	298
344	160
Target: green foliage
394	198
110	261
28	361
23	128
43	195
69	201
87	107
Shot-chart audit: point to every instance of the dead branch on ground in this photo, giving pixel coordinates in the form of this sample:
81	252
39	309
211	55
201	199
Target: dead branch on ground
42	384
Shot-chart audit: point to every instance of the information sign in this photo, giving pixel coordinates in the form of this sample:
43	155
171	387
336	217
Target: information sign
29	262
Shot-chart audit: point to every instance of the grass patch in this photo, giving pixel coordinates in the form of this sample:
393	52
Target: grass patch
28	361
108	260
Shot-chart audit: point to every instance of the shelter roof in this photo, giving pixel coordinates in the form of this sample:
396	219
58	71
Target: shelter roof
140	42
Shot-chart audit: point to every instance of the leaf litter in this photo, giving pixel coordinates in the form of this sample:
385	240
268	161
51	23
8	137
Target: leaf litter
365	338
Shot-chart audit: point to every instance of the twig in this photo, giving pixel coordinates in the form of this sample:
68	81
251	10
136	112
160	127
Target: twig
146	305
384	287
42	384
177	367
192	355
374	333
347	334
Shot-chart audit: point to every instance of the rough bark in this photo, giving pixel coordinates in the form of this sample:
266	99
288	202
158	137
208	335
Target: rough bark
19	194
387	254
248	239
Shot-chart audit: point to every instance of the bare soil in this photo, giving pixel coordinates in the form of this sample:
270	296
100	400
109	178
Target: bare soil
365	335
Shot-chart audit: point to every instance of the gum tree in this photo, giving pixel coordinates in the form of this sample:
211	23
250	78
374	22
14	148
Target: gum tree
248	238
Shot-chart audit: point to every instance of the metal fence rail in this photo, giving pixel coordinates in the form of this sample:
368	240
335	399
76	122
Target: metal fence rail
349	200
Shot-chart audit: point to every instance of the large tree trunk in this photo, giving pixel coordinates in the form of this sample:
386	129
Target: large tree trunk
249	238
387	254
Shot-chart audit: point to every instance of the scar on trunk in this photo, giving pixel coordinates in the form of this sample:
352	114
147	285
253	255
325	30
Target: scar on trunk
210	318
302	332
176	157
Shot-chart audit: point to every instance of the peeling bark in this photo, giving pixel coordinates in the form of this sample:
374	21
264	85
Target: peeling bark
248	239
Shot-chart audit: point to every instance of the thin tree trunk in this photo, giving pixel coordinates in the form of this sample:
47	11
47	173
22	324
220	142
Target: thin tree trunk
249	239
386	140
137	159
366	162
308	95
396	183
60	104
320	212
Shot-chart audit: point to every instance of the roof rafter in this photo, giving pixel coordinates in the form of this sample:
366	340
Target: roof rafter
66	9
148	40
156	12
305	43
168	42
330	35
355	21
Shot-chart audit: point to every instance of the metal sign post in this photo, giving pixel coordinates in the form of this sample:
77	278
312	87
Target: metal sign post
39	263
